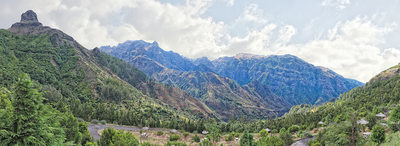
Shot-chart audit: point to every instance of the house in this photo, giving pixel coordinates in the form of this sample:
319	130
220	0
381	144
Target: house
381	115
144	135
145	128
362	122
366	134
174	131
204	132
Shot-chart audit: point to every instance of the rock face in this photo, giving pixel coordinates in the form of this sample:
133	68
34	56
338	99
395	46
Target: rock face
29	24
29	17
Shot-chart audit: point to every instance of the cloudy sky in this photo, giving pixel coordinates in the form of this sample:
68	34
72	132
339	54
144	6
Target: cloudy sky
355	38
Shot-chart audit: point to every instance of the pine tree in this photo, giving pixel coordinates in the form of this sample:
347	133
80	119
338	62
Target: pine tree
246	139
28	123
6	115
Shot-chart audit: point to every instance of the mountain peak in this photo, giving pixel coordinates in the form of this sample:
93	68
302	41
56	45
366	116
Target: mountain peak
29	17
248	56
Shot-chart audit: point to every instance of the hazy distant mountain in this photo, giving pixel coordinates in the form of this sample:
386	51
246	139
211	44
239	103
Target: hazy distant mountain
244	81
297	81
222	94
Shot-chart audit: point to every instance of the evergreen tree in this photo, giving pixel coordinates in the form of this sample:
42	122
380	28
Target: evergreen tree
270	141
246	139
378	134
6	115
286	136
28	124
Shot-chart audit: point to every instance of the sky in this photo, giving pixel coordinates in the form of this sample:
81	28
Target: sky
355	38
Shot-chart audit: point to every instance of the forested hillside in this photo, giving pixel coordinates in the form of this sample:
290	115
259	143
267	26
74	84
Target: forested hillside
73	79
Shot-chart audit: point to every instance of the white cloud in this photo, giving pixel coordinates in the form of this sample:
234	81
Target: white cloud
350	49
252	13
229	2
286	33
341	4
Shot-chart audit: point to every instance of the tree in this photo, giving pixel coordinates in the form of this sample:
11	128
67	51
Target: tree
111	137
394	119
270	141
378	134
286	136
263	133
246	139
30	123
6	115
195	138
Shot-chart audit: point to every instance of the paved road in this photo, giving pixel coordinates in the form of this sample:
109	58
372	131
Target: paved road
302	142
94	128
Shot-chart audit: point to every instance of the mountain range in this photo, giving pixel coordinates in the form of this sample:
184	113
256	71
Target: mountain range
244	84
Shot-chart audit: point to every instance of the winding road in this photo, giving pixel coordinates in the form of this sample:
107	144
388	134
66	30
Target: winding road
302	142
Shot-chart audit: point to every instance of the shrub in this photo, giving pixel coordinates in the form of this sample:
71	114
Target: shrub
378	134
206	142
263	133
159	133
195	138
232	136
174	137
147	144
293	128
185	134
305	135
94	121
229	137
274	131
175	143
103	122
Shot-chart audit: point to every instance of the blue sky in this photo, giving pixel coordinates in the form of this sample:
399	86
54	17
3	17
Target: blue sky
355	38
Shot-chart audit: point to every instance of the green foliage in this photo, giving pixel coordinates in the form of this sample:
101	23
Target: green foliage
306	135
175	143
147	144
195	138
159	133
174	137
111	137
185	134
293	128
74	79
371	118
246	139
206	142
30	120
394	119
286	136
263	133
25	120
392	139
231	136
378	134
270	141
